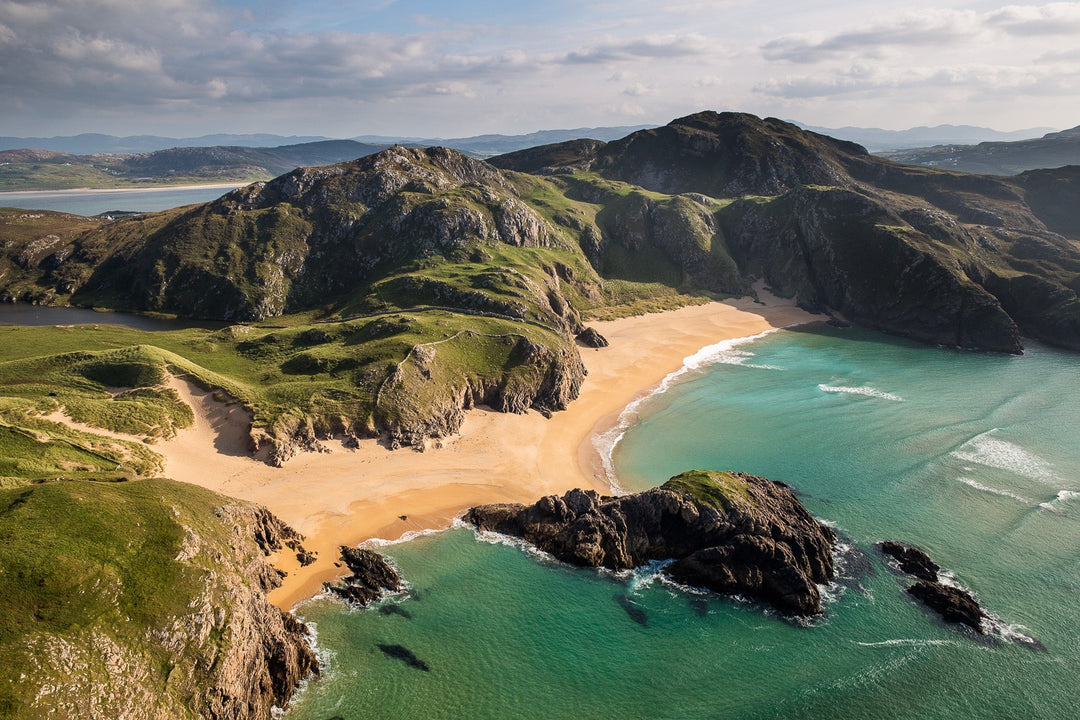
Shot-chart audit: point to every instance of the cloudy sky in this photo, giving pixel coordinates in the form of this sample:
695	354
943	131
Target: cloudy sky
434	68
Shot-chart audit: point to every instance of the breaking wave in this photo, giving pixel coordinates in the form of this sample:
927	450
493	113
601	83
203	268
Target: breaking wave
1003	455
865	390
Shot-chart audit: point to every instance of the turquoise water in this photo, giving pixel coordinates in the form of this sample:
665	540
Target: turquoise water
974	457
91	202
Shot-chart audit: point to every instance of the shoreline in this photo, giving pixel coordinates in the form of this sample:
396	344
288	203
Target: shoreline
95	191
348	496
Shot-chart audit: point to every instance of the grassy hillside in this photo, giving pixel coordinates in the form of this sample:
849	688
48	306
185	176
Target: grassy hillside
139	600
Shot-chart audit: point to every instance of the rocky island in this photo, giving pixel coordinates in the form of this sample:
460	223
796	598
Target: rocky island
730	532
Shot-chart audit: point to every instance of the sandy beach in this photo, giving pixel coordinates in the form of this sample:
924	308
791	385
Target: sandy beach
346	496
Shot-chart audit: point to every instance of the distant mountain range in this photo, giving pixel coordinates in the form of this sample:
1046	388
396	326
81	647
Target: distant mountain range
877	140
233	158
1052	150
479	145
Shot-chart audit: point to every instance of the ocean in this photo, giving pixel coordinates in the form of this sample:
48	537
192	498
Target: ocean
974	457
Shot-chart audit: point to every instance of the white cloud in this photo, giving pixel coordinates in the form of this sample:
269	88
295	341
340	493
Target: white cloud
925	29
155	62
1052	19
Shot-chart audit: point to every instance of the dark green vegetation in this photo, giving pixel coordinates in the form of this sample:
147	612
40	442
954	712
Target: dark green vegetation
998	158
139	600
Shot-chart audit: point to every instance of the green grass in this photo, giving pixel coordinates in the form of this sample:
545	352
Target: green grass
286	376
84	561
722	490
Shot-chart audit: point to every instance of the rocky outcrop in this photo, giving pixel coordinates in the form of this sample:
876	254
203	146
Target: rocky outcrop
912	560
372	577
729	532
166	615
951	603
589	337
842	250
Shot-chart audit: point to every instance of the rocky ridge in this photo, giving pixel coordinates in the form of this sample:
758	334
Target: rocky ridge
729	532
947	258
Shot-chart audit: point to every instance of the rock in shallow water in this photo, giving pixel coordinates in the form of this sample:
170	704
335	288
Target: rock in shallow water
913	561
952	604
728	532
372	576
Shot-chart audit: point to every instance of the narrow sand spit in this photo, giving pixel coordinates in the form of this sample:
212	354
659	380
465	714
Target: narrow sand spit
347	496
119	191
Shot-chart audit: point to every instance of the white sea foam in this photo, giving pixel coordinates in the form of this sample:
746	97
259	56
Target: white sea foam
986	488
404	538
724	352
494	538
865	390
912	642
984	449
642	577
1062	497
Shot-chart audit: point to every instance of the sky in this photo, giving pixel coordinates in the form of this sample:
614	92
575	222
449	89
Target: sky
427	68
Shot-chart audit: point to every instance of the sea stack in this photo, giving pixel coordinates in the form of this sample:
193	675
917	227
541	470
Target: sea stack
728	532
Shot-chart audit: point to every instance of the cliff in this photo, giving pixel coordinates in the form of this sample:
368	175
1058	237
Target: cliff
729	532
142	600
941	257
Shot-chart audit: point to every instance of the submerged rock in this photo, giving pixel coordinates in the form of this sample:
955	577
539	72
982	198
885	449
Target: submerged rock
394	609
404	654
728	532
372	577
632	610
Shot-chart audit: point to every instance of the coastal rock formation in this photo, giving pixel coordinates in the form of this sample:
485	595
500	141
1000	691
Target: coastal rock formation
951	603
424	397
152	605
372	577
729	532
590	338
913	561
941	257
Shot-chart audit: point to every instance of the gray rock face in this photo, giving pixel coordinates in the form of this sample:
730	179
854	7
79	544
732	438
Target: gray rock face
729	532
